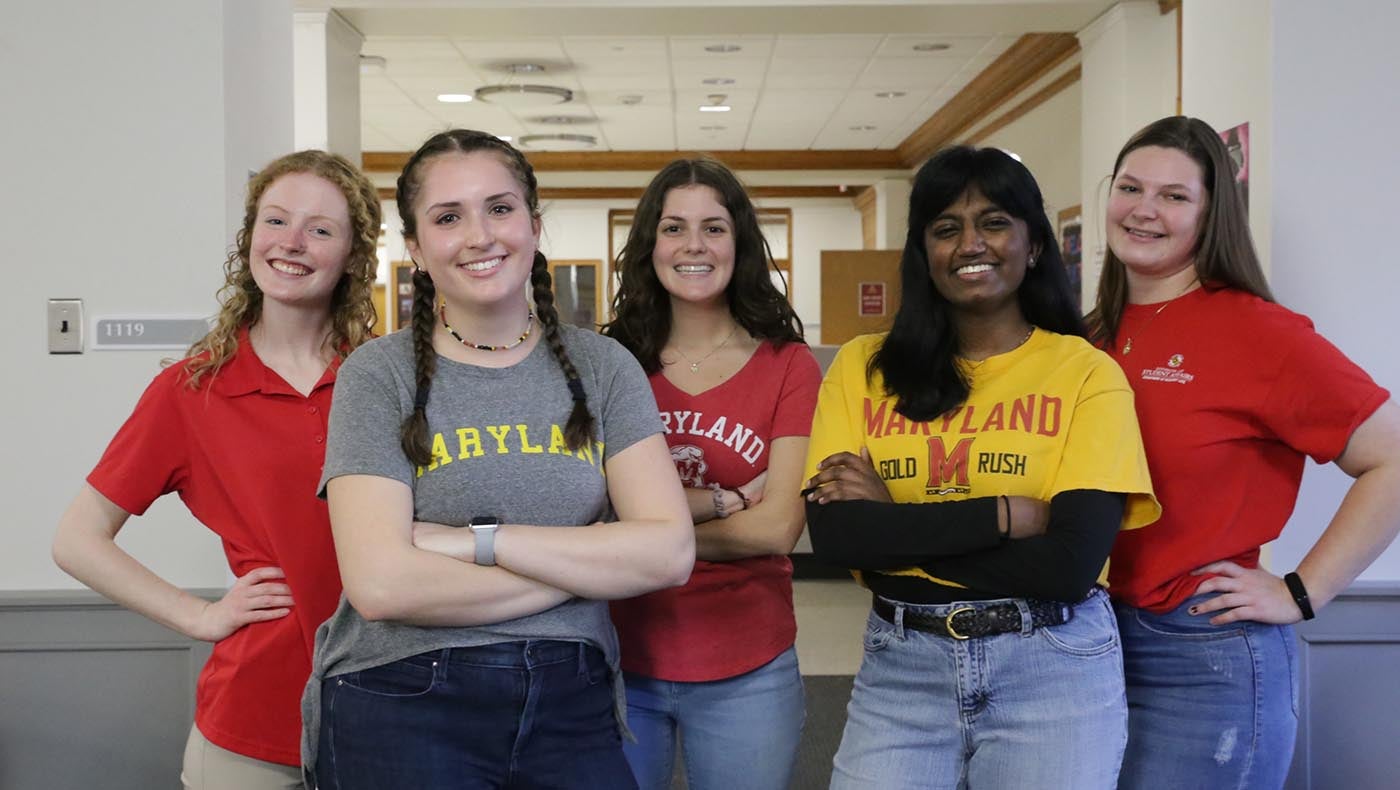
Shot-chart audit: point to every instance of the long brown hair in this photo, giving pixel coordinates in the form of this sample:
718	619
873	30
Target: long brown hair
352	302
643	307
1224	256
579	430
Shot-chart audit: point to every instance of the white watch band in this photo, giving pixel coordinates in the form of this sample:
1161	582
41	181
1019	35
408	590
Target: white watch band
484	536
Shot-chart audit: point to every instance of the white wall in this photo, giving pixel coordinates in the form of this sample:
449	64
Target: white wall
1047	140
1129	80
118	192
1334	128
1227	78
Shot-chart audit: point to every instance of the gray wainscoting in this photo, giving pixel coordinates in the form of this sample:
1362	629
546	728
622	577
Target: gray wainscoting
94	696
91	695
1349	698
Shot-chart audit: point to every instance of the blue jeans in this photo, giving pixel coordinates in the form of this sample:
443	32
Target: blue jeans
535	714
1039	708
740	733
1208	706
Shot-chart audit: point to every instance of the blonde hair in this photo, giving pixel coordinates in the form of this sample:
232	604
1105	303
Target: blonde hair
352	304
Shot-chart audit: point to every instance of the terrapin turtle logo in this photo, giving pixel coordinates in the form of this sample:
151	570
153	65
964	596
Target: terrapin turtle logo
1175	360
690	465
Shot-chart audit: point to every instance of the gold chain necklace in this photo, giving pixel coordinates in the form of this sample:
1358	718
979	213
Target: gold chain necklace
529	325
695	363
1128	345
977	363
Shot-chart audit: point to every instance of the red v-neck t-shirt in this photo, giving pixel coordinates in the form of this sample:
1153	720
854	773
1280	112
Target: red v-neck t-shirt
244	452
731	617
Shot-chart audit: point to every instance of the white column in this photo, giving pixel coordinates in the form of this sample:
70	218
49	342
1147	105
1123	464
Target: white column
326	75
891	212
1128	80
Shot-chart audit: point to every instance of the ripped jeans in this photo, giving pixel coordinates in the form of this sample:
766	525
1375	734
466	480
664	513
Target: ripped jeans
1208	706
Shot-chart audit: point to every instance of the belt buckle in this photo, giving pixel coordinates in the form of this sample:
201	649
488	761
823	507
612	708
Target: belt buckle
948	622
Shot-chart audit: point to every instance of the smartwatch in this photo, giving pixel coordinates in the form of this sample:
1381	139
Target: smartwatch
484	532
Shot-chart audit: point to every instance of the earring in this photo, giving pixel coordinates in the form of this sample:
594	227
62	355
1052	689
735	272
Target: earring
1031	262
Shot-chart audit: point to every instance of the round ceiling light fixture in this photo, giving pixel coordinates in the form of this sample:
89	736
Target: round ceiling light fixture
723	49
932	46
557	142
889	94
717	81
511	95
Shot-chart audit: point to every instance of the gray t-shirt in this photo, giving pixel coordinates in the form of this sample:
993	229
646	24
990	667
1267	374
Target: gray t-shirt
498	450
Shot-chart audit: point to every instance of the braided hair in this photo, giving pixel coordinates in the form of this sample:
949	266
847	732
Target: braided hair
413	436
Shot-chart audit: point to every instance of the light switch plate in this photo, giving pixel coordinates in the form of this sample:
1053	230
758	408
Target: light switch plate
65	326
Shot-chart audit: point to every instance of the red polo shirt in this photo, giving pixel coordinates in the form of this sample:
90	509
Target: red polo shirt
244	452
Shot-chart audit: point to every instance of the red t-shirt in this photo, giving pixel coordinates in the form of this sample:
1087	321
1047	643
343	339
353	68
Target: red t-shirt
1232	392
244	451
731	617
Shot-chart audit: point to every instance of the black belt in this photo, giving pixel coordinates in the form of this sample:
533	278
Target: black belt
970	622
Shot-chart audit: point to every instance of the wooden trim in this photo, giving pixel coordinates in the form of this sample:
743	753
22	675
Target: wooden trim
1067	214
651	161
1025	62
1179	12
1035	100
1167	6
867	202
635	193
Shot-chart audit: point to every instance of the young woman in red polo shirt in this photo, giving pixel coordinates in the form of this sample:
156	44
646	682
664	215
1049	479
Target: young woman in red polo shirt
237	429
1232	391
736	386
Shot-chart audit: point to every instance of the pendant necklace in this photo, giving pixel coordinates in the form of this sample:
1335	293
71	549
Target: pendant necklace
529	325
1128	345
695	363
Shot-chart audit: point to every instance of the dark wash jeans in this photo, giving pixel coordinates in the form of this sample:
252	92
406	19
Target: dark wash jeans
518	715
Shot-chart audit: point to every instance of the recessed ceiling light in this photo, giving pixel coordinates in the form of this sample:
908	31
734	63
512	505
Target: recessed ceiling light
717	81
454	98
723	48
512	95
630	99
524	68
558	142
562	120
864	127
714	127
931	46
889	94
714	108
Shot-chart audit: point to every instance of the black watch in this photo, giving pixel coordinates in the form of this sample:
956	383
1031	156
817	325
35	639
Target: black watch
484	532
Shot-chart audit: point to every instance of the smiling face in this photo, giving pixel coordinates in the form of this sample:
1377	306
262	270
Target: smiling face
300	242
694	252
977	254
475	233
1154	212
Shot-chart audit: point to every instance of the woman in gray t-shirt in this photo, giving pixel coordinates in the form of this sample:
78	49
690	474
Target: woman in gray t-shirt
473	643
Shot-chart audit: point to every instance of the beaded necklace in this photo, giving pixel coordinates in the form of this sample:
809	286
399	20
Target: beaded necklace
529	325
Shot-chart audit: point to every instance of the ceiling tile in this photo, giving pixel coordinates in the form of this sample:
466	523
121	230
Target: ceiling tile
807	47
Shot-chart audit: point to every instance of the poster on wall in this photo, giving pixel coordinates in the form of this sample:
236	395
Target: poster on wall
1237	144
872	299
1072	251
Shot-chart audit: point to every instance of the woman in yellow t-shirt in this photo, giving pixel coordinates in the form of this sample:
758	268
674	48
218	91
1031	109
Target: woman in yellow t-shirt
973	466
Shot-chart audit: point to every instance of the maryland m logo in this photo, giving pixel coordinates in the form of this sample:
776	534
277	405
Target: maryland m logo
947	472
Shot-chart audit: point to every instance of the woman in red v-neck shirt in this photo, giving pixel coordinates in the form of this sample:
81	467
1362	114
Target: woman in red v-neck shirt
237	428
736	386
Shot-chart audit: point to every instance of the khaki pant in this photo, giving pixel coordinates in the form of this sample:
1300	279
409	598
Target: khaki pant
209	767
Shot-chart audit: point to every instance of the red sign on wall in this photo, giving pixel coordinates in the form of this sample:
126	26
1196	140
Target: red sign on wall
872	299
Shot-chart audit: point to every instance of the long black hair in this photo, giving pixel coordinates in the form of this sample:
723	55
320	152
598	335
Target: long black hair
918	357
578	431
642	307
1224	252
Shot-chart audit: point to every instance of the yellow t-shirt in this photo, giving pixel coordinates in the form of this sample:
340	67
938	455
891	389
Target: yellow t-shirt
1053	415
